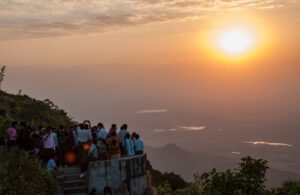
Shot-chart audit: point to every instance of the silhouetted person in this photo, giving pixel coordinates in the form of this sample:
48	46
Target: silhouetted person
23	136
91	156
133	134
62	136
94	134
122	134
102	149
111	130
114	146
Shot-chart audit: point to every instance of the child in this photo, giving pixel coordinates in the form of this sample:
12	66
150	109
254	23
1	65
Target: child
51	165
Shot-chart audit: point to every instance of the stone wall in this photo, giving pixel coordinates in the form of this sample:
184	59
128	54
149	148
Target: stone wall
120	174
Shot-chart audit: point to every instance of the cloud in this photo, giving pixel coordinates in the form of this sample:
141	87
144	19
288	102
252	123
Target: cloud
268	143
36	18
191	128
152	111
182	128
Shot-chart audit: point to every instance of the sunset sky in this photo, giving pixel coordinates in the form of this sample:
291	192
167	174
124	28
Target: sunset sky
153	54
219	77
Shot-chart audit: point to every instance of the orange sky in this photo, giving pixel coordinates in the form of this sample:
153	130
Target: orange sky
61	33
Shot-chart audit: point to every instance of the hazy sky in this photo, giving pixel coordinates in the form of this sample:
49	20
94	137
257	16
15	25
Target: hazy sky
90	55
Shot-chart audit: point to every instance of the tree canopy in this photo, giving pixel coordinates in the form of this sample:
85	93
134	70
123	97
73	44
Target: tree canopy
23	108
248	179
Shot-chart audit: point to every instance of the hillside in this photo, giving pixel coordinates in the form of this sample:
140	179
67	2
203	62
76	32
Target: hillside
23	108
172	158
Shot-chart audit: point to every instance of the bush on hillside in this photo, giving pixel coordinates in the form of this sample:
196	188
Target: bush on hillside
22	108
21	175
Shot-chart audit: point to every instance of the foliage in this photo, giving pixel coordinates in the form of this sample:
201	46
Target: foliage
166	180
23	108
165	189
252	175
20	175
288	188
214	182
248	179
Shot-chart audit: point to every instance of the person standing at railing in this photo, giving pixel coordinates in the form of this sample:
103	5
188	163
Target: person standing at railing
129	145
62	141
138	145
91	156
83	135
122	135
102	132
113	143
113	129
102	149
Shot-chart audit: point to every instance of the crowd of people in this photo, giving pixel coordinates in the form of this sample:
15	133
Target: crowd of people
79	144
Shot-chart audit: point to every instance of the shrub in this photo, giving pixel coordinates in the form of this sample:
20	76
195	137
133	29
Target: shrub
21	175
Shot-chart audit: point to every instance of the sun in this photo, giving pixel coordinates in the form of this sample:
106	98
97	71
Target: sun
235	41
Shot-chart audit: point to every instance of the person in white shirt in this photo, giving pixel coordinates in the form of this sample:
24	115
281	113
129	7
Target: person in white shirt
138	145
102	132
55	139
83	135
49	145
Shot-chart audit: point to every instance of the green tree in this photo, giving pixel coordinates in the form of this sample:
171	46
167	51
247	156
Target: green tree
20	175
24	108
173	180
288	188
248	179
252	175
165	189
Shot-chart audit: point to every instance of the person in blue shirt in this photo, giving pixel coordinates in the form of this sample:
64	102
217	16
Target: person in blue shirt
138	145
102	132
129	145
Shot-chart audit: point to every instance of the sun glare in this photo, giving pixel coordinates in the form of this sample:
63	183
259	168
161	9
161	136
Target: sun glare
235	39
235	42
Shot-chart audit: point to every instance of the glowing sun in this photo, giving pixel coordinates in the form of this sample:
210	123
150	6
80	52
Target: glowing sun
235	41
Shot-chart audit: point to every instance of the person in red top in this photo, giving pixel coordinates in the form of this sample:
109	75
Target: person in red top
12	135
113	143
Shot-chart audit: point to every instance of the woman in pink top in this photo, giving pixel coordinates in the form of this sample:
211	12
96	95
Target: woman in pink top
12	134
